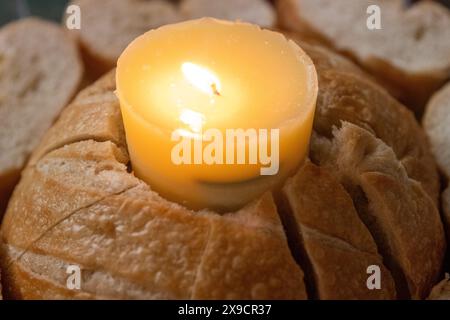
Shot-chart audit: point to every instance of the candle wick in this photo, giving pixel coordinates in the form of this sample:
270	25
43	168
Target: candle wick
214	89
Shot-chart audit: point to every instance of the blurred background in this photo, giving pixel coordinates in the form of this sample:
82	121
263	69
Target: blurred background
14	9
53	9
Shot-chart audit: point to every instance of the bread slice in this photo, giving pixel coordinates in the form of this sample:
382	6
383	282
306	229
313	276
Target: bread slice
436	124
410	54
254	11
442	290
385	198
40	72
108	26
329	235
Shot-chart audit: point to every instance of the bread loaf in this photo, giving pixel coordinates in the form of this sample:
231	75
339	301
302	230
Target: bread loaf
436	123
410	54
254	11
40	71
108	26
79	204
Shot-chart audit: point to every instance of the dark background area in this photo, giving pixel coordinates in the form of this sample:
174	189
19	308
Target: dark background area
53	9
15	9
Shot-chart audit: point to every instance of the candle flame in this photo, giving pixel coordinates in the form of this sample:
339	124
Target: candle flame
201	78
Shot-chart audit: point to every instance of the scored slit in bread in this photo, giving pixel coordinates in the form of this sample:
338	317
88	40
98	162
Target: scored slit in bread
77	203
385	196
327	233
346	94
116	228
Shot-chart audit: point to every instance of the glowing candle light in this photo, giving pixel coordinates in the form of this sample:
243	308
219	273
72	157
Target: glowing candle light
215	112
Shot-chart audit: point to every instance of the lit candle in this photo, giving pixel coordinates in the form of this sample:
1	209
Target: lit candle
215	113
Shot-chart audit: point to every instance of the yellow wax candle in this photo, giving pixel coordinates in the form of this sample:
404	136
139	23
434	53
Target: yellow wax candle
215	112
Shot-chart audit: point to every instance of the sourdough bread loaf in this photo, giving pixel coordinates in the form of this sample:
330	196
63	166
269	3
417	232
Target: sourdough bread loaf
436	123
410	54
79	204
108	26
259	12
40	71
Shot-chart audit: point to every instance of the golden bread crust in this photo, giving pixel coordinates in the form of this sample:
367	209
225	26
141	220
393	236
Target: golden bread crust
115	224
331	233
385	198
346	94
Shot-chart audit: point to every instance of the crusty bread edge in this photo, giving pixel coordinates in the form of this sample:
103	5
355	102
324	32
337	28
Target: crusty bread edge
10	178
